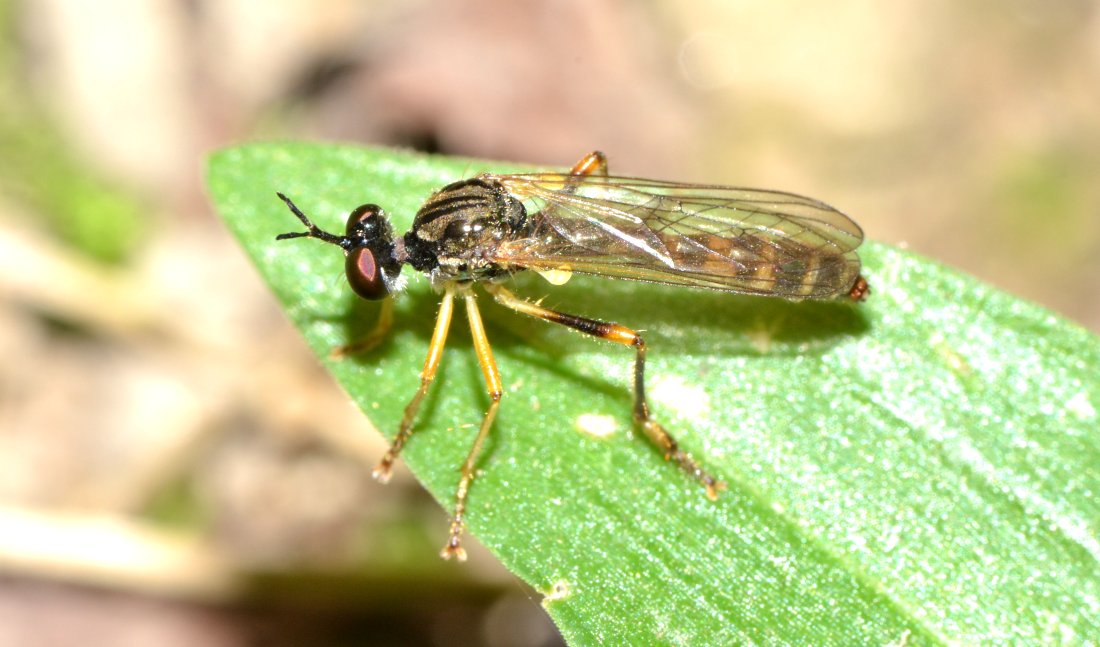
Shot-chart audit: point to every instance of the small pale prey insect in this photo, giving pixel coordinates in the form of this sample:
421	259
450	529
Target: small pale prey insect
485	229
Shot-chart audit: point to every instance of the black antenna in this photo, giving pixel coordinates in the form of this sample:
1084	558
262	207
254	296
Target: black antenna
314	230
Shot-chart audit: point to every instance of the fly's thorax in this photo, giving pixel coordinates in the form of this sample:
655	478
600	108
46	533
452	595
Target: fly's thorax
459	228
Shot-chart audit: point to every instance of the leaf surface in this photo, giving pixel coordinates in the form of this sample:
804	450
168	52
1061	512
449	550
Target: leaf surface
922	468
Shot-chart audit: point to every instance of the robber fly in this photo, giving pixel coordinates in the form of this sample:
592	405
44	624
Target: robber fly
485	229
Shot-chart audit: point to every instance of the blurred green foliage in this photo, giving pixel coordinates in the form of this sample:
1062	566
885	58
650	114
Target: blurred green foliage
42	172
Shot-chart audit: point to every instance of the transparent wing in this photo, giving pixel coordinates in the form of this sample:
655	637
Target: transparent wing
717	237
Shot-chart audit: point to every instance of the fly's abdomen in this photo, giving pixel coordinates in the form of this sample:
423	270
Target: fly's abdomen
766	266
817	276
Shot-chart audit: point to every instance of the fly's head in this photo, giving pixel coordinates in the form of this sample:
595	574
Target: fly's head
371	264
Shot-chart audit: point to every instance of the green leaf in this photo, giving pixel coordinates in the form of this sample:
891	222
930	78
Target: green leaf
918	469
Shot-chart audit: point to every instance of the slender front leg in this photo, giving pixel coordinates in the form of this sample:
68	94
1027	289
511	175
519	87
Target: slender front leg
431	364
494	386
377	334
627	337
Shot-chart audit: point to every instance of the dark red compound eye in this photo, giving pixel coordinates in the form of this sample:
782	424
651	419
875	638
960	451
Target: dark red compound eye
364	274
360	214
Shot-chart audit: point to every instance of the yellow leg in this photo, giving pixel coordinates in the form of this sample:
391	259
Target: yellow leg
431	364
376	335
493	384
627	337
594	163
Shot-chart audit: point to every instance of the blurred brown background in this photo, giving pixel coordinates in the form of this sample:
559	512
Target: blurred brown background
174	466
